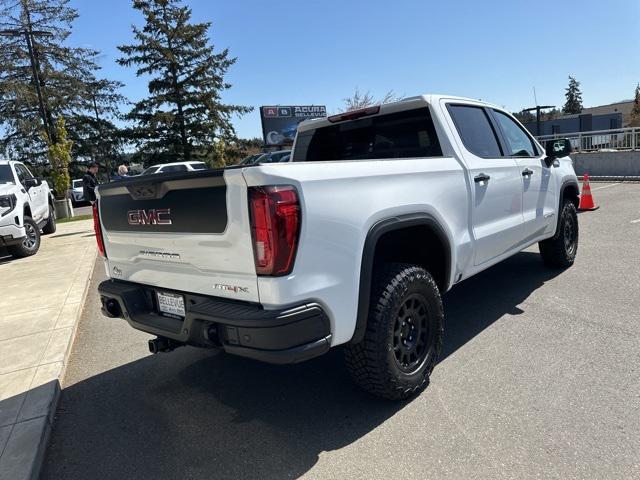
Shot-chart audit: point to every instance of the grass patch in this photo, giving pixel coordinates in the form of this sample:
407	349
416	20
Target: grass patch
74	219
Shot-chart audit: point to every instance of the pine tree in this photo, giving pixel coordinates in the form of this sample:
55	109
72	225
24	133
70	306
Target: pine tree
634	117
184	113
65	75
95	135
573	96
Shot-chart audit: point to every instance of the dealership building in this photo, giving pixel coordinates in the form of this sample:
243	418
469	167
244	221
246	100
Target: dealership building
603	117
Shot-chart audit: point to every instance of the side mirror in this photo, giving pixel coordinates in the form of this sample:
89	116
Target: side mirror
560	147
32	182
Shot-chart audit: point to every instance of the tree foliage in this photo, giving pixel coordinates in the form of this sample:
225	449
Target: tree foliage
183	116
634	117
361	100
573	95
59	158
66	78
524	116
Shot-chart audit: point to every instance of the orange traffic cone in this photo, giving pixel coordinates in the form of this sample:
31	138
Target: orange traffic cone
586	199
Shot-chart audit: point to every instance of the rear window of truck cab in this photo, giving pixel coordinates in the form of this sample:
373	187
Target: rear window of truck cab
406	134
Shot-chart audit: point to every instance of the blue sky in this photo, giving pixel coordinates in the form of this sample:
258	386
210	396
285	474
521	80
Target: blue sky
318	52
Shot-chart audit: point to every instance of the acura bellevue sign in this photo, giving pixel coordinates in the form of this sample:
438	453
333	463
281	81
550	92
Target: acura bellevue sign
279	123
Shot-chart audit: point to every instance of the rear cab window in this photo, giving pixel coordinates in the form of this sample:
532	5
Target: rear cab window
406	134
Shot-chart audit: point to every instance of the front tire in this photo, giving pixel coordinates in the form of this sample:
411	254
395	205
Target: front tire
31	242
50	226
404	334
560	250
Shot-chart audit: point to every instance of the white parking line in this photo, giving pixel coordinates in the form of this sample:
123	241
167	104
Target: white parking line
636	221
605	186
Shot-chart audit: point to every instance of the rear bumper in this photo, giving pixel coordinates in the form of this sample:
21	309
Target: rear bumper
289	335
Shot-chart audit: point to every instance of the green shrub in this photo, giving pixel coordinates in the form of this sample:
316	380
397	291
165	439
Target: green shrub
59	156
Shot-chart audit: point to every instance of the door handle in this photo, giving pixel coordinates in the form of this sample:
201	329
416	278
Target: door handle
483	177
527	172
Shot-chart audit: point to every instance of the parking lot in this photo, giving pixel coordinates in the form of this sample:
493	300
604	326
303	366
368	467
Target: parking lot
539	378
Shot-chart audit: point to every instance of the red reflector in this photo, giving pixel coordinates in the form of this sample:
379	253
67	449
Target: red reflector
352	115
98	229
275	226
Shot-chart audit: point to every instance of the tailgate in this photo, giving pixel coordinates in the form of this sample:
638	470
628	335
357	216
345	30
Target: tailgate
187	231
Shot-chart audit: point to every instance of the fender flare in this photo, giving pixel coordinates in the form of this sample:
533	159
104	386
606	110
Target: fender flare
380	228
563	188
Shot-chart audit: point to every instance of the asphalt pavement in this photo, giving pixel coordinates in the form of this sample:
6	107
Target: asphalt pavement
539	378
82	209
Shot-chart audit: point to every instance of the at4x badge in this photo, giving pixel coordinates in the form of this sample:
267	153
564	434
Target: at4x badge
230	288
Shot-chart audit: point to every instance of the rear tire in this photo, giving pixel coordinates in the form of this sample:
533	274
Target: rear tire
31	242
50	226
560	250
403	337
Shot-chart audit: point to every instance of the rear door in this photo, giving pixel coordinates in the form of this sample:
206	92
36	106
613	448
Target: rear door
495	180
539	198
183	231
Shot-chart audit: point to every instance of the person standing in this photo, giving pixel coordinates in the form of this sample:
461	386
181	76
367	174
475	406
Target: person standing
123	172
89	183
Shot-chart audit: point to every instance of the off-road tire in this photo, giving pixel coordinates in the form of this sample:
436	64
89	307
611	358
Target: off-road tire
560	250
50	226
373	362
31	243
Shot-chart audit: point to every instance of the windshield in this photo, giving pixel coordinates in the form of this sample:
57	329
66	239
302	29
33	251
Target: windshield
6	176
149	170
77	183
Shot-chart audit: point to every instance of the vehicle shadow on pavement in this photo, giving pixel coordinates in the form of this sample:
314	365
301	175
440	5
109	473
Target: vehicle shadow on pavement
479	301
194	414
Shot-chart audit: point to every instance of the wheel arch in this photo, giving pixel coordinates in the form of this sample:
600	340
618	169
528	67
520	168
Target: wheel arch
26	210
397	231
571	190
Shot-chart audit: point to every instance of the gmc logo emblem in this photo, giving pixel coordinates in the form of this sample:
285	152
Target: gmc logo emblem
158	216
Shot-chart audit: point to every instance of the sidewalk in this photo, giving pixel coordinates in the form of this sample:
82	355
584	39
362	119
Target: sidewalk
40	301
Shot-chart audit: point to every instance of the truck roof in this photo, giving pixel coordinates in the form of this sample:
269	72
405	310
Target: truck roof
407	103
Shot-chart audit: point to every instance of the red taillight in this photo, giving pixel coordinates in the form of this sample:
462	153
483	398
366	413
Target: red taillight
98	229
275	225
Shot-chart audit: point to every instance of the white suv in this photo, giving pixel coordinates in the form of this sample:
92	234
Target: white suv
26	207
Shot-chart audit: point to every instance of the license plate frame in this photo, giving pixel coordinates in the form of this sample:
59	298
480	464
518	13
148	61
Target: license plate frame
171	304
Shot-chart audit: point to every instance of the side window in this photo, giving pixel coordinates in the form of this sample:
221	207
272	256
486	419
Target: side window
27	173
22	173
19	173
476	131
518	142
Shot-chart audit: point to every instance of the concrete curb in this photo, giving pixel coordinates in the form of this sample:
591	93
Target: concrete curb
24	445
601	178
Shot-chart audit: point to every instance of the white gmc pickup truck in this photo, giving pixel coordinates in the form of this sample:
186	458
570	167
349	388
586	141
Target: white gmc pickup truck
353	242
